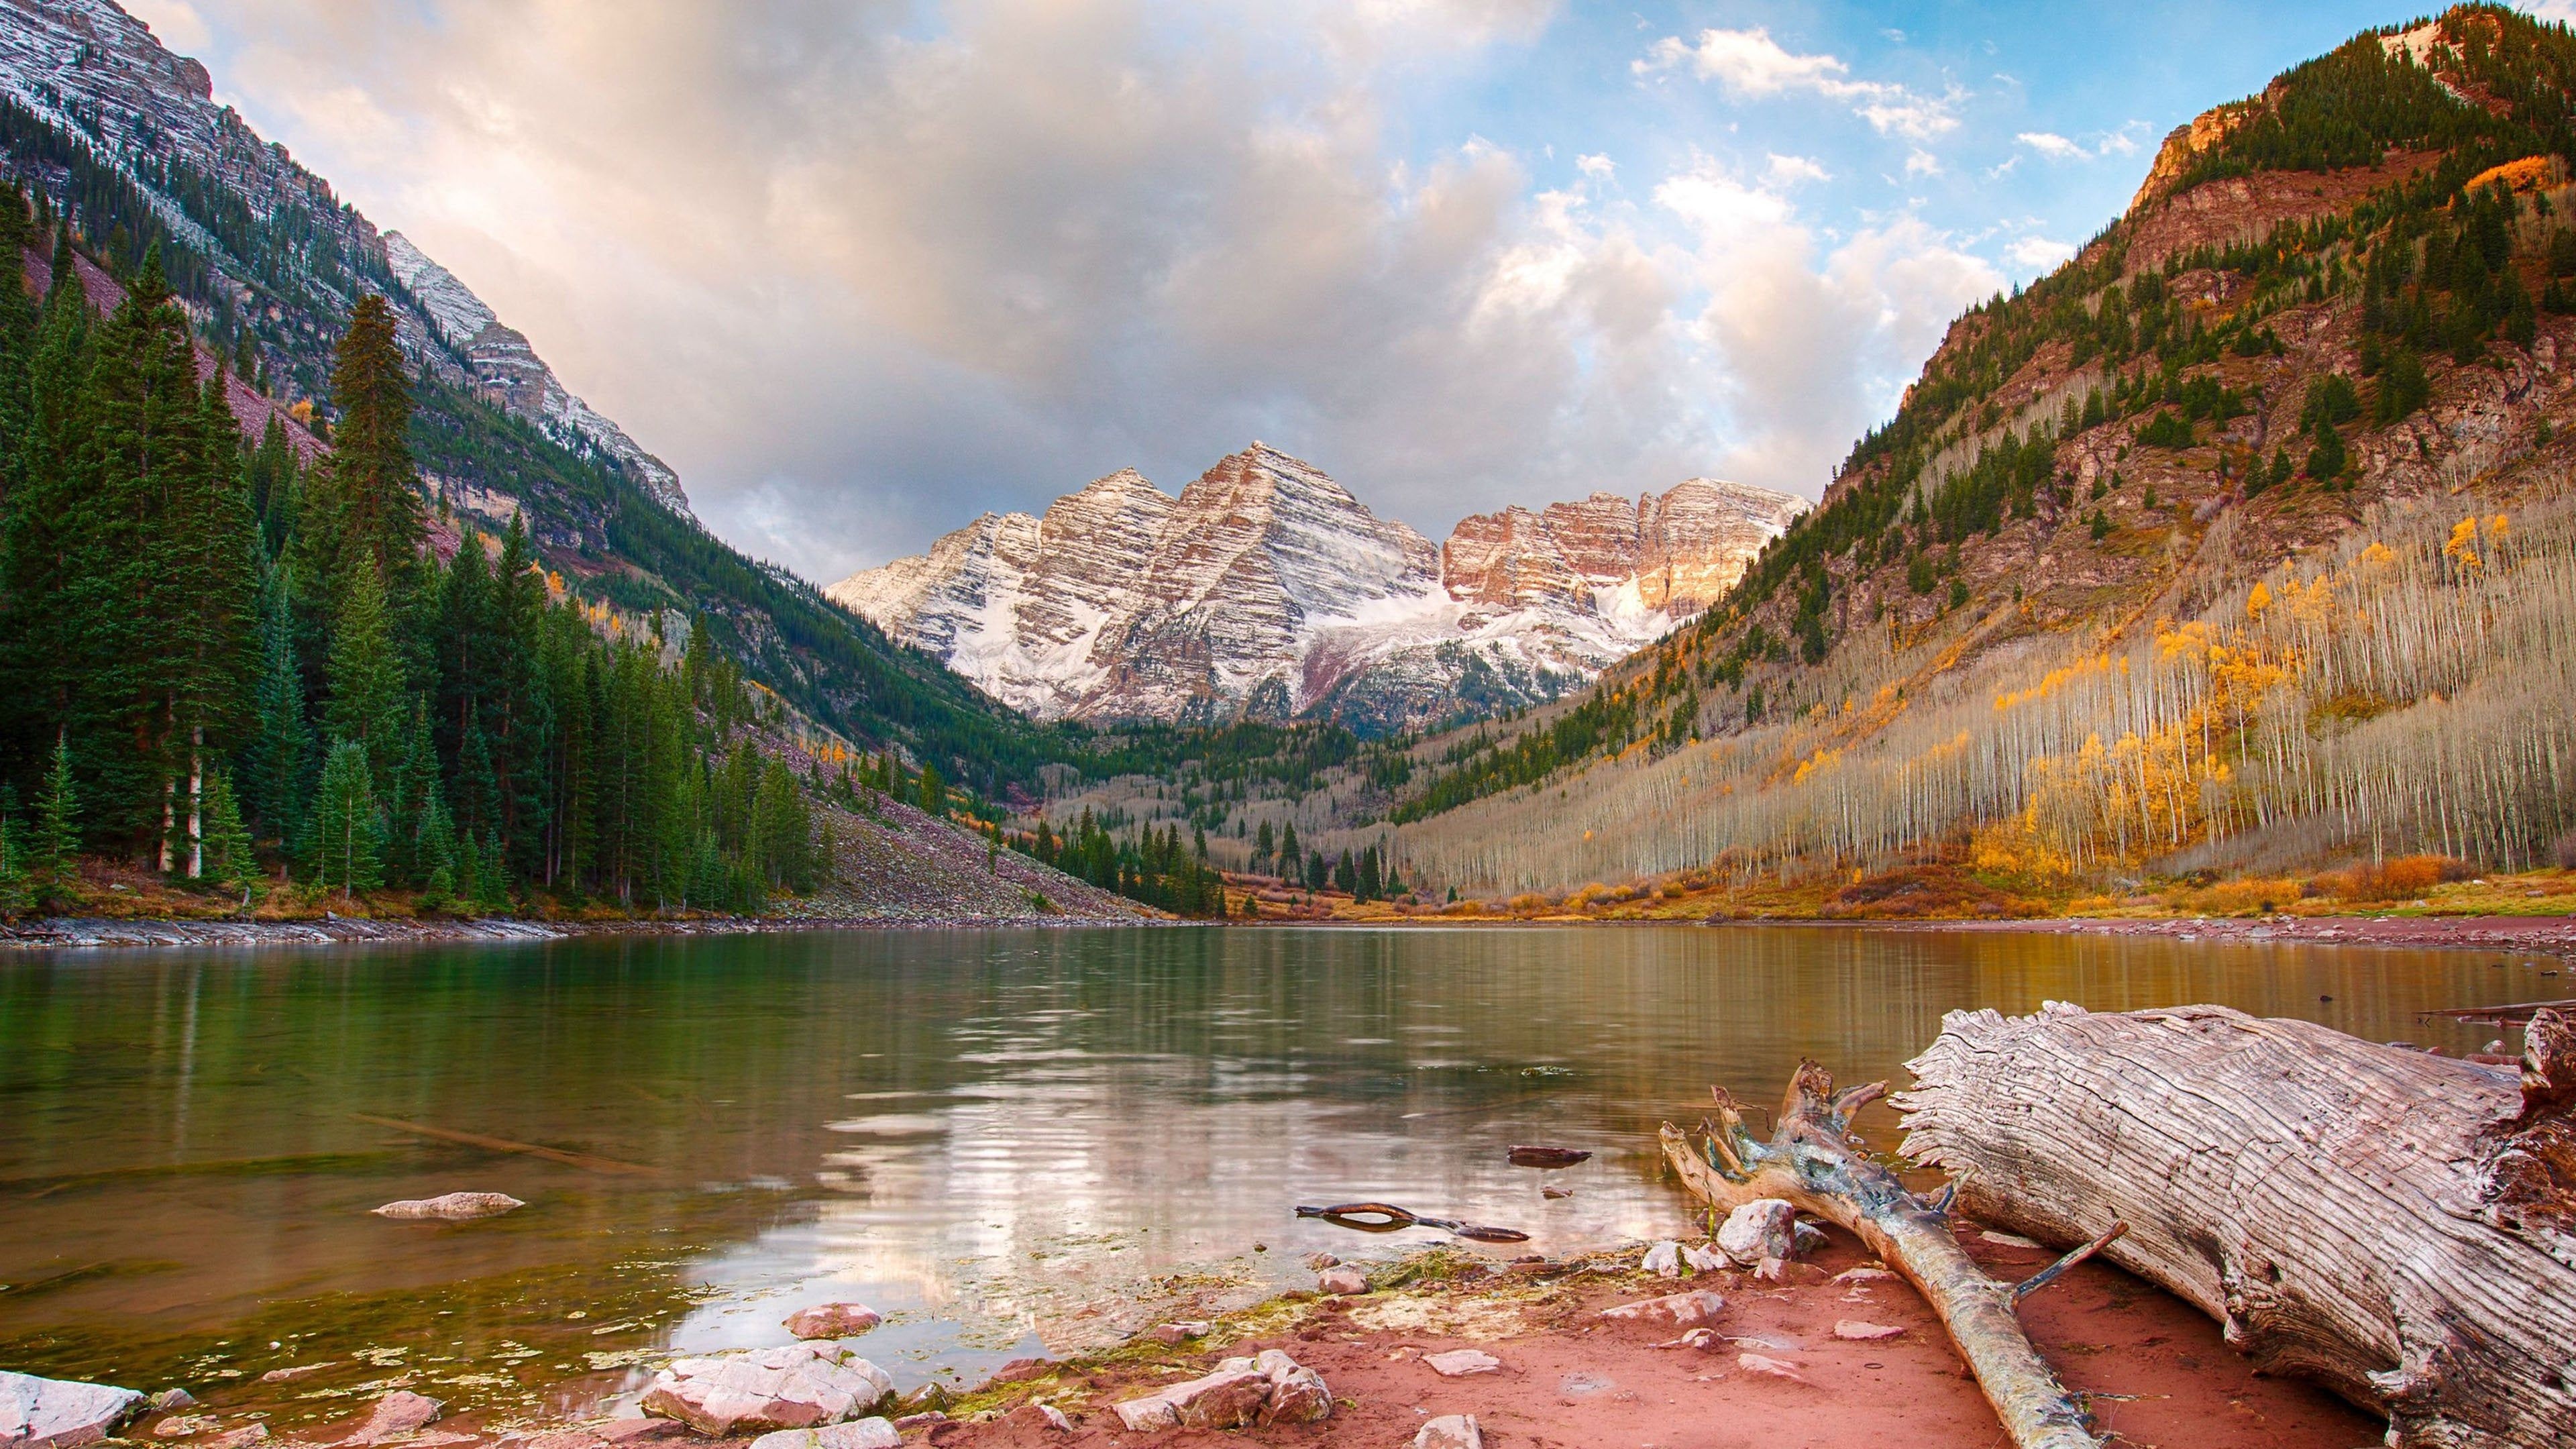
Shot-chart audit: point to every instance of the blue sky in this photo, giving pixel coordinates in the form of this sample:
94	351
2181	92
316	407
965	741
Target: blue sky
861	268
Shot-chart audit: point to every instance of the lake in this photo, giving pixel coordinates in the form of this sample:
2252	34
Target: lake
1007	1141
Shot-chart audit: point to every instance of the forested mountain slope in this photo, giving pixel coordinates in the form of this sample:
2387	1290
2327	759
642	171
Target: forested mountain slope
2243	538
120	140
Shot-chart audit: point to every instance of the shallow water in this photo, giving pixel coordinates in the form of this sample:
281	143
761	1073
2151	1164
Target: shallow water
981	1133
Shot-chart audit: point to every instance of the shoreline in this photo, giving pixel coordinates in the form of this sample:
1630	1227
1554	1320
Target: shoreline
1837	1354
68	933
2540	935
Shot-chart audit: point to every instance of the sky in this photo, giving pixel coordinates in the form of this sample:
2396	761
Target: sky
862	269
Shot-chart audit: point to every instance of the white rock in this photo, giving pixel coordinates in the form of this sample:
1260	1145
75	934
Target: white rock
1271	1388
1664	1260
855	1434
799	1386
61	1413
1853	1330
1864	1275
1055	1418
1763	1228
1700	1338
1772	1367
1706	1259
1686	1309
1450	1431
1457	1363
451	1206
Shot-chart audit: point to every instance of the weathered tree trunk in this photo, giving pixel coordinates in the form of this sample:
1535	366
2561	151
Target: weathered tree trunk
1809	1161
2394	1225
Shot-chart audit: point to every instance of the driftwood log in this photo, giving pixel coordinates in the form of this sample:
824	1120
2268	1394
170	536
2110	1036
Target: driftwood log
2397	1226
1812	1162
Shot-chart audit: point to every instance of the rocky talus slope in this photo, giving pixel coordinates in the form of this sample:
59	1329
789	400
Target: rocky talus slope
1266	590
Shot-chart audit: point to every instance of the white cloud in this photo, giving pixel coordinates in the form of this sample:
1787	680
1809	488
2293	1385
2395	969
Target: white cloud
2053	146
1749	64
175	22
1596	166
2039	253
1810	345
1922	163
1791	170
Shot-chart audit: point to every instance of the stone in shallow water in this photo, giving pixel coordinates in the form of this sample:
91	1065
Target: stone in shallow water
833	1320
38	1413
796	1387
398	1413
452	1206
1342	1282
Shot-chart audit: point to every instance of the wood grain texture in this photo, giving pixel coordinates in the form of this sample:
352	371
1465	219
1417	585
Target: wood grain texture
2391	1224
1811	1162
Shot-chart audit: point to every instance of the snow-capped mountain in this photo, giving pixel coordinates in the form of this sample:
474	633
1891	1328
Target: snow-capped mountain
91	86
1267	590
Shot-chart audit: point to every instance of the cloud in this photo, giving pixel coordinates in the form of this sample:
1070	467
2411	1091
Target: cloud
1750	65
1790	170
860	270
2039	254
1814	342
1920	162
2058	148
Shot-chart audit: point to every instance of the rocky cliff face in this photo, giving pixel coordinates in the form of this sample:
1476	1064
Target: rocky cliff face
81	82
505	368
1266	589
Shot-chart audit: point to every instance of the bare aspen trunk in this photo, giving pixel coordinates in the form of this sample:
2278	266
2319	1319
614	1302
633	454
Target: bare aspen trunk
2397	1226
196	802
1810	1162
169	820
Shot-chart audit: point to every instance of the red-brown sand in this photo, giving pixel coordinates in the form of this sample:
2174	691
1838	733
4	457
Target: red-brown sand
2155	1369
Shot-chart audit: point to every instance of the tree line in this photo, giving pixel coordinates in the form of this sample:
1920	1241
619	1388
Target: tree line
239	668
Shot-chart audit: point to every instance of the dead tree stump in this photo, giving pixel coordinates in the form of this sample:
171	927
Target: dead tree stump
2397	1226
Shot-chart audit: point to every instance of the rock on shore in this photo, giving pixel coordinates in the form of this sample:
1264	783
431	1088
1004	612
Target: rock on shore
797	1387
37	1413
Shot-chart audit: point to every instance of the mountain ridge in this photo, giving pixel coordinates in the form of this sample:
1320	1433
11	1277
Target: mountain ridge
1266	590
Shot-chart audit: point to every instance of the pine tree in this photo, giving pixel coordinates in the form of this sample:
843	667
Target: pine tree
934	791
230	859
374	486
279	755
53	866
347	849
366	706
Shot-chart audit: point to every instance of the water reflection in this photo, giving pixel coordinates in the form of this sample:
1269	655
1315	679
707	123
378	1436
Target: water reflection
979	1133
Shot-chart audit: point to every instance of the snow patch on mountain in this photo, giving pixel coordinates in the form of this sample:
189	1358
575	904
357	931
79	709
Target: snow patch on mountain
1268	590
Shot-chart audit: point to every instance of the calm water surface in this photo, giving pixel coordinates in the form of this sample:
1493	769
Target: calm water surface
987	1135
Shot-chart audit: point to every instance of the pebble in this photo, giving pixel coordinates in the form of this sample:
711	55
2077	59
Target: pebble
297	1371
1664	1260
1450	1431
1460	1362
1854	1330
180	1426
1270	1388
1686	1309
171	1400
451	1206
1771	1367
1176	1333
